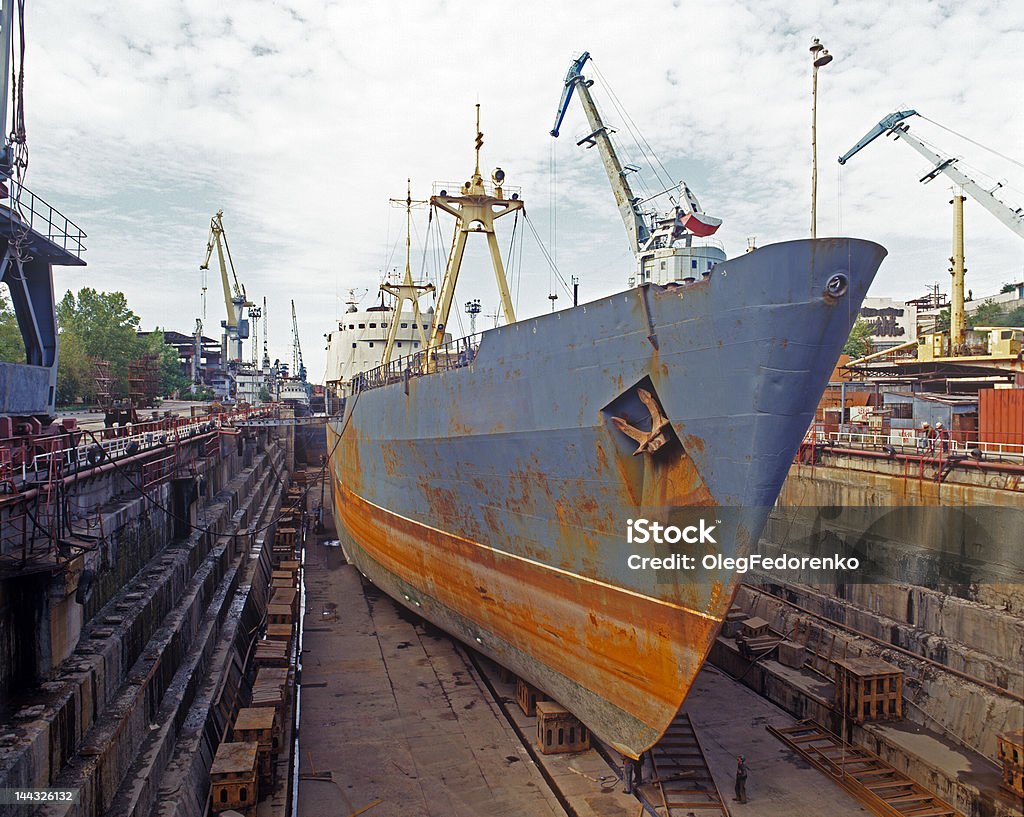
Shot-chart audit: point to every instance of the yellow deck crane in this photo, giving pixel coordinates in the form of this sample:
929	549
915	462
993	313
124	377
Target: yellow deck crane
236	327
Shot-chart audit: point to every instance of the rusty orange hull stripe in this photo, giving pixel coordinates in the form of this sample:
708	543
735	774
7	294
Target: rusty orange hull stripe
639	654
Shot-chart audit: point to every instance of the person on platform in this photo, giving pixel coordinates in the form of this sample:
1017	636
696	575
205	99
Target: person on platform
924	439
741	779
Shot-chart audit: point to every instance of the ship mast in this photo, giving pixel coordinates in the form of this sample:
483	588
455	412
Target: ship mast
407	290
475	211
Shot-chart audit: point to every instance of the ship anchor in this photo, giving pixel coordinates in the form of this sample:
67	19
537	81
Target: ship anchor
649	441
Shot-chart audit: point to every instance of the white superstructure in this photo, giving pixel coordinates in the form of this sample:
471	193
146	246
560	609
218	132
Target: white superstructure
357	344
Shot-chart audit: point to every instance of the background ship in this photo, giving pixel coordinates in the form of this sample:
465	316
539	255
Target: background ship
485	483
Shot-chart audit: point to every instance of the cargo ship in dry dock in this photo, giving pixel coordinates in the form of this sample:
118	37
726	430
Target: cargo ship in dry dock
486	482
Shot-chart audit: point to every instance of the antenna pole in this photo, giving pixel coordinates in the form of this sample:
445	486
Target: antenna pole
479	141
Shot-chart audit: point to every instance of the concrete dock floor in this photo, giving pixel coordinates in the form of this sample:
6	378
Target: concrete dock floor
730	720
394	712
396	719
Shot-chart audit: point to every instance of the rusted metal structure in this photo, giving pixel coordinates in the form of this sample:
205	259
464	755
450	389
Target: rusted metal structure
1011	759
869	689
488	486
882	789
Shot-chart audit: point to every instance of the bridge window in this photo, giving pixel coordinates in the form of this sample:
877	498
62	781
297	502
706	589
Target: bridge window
399	344
373	326
405	326
362	326
351	326
353	346
693	264
371	344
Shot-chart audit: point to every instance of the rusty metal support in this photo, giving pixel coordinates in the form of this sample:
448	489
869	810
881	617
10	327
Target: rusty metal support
876	785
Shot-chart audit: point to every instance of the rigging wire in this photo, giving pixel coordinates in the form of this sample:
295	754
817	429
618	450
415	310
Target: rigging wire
972	141
426	243
519	267
839	199
544	250
634	131
510	263
974	172
552	217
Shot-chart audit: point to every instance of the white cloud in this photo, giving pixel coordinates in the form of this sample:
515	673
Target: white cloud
302	119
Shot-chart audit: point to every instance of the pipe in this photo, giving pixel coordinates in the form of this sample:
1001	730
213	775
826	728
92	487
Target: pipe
96	470
1008	467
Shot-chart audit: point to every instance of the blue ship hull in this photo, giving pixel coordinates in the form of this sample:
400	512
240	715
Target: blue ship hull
492	499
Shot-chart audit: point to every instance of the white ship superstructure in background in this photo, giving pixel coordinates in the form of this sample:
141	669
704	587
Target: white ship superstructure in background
358	343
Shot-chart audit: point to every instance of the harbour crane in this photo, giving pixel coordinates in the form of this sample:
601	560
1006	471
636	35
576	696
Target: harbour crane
895	125
266	331
298	368
653	243
600	136
236	327
255	313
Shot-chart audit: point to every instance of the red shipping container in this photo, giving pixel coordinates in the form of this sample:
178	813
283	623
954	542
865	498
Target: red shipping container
1001	416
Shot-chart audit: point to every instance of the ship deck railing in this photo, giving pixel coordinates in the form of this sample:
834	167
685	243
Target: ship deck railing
915	443
455	354
455	189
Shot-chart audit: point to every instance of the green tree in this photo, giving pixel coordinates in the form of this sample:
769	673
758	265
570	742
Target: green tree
104	323
76	376
859	342
1015	317
12	348
987	314
942	322
1007	288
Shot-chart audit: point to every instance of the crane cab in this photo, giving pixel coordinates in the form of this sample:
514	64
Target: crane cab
678	264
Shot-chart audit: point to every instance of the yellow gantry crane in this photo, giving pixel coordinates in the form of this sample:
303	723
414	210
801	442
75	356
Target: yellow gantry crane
236	327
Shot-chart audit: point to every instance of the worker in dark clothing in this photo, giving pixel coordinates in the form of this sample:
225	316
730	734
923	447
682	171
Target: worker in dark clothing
741	779
632	773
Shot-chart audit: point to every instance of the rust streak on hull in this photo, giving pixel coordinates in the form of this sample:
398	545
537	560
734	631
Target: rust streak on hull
638	654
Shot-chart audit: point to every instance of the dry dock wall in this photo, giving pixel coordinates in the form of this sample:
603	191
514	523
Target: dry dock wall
963	677
145	652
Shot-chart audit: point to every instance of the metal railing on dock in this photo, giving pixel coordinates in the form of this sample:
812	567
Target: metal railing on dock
911	442
27	211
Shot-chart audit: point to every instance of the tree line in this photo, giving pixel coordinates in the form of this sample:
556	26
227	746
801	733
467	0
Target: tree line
94	325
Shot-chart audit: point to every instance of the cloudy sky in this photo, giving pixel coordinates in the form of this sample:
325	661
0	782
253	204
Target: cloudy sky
301	119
